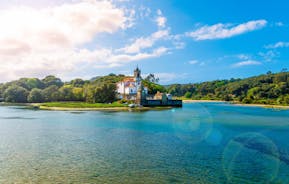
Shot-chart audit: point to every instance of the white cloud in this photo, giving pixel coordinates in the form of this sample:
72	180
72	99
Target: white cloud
202	63
67	24
196	62
66	61
161	20
117	59
277	45
243	56
279	24
53	40
193	62
246	63
144	12
269	55
169	77
145	42
38	42
221	31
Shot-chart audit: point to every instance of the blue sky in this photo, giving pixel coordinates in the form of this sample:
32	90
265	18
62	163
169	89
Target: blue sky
180	41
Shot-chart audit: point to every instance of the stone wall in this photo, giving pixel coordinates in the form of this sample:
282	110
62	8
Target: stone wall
151	103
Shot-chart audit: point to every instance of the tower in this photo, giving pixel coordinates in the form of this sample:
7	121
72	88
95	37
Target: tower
137	73
140	97
137	77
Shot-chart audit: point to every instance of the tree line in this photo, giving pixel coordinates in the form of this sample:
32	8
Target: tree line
52	89
270	88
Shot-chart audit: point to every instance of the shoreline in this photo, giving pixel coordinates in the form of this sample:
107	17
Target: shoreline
116	109
239	104
262	105
39	106
197	101
126	108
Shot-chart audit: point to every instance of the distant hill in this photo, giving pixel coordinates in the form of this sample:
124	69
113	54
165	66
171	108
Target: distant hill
271	88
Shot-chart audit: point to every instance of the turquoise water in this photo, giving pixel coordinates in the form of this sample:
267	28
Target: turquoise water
199	143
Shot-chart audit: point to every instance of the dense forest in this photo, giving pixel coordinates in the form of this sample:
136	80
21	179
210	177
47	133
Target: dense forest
270	88
52	89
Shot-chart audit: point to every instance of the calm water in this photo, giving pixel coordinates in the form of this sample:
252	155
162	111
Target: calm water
200	143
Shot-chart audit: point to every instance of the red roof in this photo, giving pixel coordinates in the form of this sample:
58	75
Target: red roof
129	79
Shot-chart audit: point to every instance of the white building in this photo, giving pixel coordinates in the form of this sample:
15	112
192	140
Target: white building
129	86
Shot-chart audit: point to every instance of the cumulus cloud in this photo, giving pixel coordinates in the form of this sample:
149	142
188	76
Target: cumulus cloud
54	40
67	24
246	63
221	31
38	42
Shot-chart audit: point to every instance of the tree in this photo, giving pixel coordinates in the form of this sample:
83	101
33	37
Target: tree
89	93
105	93
77	94
188	95
51	94
77	83
153	88
34	83
35	96
16	94
52	80
66	93
286	99
151	78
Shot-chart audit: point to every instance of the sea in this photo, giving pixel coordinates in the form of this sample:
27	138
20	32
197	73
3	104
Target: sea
200	143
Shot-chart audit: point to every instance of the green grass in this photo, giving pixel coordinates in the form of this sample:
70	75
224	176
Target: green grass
81	105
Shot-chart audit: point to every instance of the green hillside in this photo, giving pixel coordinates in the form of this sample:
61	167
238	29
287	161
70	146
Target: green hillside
263	89
271	88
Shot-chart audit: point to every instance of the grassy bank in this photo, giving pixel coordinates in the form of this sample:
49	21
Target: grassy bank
81	105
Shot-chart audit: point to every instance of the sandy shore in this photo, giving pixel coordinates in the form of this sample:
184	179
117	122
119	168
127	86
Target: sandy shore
197	101
240	104
263	105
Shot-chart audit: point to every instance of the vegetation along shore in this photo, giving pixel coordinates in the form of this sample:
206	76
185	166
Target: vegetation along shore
100	92
240	104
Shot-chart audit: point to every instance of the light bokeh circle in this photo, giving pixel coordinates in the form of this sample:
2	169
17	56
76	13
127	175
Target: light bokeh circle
251	158
192	126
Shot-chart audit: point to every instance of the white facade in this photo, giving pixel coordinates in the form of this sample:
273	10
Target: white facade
129	86
169	96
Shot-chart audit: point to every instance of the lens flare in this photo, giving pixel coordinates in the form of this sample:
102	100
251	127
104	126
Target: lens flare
251	158
192	126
